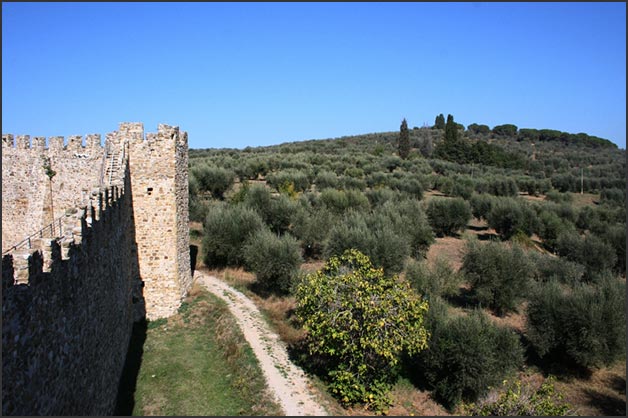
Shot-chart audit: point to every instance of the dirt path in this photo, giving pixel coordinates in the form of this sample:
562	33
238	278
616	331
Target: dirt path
288	382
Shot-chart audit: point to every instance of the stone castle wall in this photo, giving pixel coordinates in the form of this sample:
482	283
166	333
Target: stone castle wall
68	301
26	190
67	315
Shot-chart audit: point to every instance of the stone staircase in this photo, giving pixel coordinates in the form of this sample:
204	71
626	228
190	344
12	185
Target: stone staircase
113	165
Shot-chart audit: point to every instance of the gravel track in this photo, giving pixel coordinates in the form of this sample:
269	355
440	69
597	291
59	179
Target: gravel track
289	384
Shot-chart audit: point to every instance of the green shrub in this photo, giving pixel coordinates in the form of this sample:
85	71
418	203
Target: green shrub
415	225
499	276
214	180
198	209
615	236
326	179
596	255
438	280
360	322
312	228
614	196
372	234
509	216
339	201
521	399
586	325
481	204
466	355
274	259
226	229
548	268
463	187
350	183
193	187
503	186
281	213
551	226
558	197
447	216
410	186
299	180
276	211
444	185
381	195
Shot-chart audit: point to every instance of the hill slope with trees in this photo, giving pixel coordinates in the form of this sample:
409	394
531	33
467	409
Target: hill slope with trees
537	218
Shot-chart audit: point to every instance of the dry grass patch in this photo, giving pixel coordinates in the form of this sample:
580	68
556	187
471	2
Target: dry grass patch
603	393
279	312
450	248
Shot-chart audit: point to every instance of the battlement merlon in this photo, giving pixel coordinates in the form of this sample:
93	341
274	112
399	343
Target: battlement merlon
55	143
134	132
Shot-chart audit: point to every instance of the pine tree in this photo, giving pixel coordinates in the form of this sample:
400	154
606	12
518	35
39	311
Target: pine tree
404	140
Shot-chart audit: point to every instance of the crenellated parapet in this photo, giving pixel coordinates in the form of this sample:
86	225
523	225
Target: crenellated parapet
57	144
97	217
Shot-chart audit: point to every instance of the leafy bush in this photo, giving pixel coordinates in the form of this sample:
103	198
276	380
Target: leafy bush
447	216
465	355
360	322
519	399
299	180
352	183
214	180
226	229
276	211
410	186
503	186
274	259
586	325
499	276
414	224
548	268
596	255
326	179
438	280
372	234
509	216
339	201
559	197
615	236
614	195
551	226
481	204
198	209
380	195
312	229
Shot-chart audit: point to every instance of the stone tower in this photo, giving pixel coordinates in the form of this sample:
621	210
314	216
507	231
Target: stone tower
158	170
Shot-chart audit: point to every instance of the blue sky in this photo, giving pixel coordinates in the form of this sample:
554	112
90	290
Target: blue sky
248	74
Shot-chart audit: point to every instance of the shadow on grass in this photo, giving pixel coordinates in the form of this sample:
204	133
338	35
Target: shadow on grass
193	257
554	363
463	299
608	405
125	401
618	384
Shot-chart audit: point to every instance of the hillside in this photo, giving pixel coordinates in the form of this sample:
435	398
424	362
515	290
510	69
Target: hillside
510	236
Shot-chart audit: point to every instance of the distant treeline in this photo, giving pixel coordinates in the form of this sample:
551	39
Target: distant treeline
533	135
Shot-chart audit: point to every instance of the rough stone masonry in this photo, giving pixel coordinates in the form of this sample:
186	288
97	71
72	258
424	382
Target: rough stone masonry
93	238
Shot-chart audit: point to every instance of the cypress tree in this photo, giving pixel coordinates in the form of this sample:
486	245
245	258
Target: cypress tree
451	130
439	123
404	140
